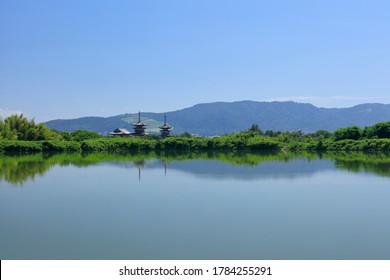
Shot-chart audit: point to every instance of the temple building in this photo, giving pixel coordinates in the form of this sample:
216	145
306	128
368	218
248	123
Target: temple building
139	127
165	129
123	132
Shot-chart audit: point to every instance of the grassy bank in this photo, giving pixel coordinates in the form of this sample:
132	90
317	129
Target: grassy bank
369	145
39	146
236	142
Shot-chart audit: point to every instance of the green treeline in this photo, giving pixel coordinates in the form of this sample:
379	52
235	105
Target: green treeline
17	134
17	127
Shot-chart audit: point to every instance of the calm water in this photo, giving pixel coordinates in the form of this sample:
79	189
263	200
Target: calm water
195	207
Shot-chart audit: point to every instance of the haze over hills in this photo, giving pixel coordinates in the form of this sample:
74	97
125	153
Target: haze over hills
217	118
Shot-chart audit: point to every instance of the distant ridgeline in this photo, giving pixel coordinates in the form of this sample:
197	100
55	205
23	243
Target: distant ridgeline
219	118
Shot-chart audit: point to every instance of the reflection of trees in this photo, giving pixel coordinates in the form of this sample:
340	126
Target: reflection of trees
379	168
18	169
377	163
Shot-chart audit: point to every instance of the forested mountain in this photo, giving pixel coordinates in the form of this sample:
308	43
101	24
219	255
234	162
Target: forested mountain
226	117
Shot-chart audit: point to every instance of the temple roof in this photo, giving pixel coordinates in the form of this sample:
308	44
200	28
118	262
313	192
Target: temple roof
120	131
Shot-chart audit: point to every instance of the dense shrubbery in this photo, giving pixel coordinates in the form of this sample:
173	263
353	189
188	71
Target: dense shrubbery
39	146
81	135
380	130
20	146
359	145
224	143
61	146
118	144
353	133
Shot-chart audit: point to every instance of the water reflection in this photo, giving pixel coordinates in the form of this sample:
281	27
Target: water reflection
195	206
243	166
17	170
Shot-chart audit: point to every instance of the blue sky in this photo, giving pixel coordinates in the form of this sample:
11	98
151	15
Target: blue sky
67	59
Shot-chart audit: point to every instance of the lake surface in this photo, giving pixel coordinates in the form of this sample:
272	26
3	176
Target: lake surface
191	206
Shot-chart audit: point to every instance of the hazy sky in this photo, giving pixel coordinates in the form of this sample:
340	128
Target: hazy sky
66	59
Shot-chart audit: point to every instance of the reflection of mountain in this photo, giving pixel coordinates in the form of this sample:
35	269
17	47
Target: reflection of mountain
272	169
18	169
295	167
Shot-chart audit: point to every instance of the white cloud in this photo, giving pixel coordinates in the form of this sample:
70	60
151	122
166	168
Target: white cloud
4	113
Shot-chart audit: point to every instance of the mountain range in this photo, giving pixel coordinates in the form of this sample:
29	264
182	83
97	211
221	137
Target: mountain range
218	118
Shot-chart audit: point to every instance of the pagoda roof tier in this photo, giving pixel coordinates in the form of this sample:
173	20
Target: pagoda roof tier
139	124
165	126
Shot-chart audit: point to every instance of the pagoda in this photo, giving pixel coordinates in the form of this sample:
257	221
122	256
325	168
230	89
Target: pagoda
165	129
139	127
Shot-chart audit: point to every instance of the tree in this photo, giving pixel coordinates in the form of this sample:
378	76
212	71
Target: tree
17	127
65	135
321	134
1	128
272	133
379	130
352	132
185	134
255	128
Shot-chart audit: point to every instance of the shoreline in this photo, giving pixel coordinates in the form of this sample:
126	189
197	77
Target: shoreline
217	144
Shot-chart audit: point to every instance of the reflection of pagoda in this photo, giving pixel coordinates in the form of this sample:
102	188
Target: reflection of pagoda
165	129
139	127
139	164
